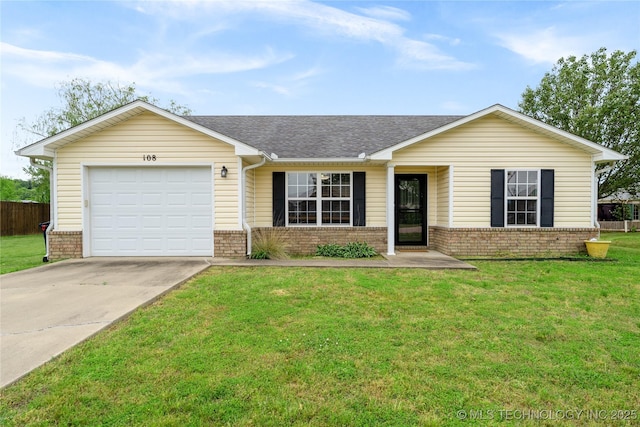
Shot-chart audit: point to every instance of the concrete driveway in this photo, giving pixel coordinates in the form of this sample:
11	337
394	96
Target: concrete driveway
46	310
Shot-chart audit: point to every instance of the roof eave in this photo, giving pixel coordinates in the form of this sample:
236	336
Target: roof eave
608	156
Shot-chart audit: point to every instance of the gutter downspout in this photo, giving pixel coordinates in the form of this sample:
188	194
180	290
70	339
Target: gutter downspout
595	191
243	177
33	163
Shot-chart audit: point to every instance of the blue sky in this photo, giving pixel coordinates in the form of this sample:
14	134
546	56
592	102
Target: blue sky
297	57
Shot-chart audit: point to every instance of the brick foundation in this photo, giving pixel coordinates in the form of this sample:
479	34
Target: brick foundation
507	242
229	243
305	240
510	242
65	244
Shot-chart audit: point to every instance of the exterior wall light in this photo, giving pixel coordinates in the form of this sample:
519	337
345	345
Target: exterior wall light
223	172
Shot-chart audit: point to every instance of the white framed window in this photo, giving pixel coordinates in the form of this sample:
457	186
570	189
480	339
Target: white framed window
319	198
522	196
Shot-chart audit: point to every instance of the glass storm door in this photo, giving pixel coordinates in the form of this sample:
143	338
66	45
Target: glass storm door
411	210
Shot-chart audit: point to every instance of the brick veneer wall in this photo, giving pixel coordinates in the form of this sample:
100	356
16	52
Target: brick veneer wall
229	243
305	240
65	244
510	241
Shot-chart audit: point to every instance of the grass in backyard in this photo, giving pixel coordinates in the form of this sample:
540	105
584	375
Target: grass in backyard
303	346
21	252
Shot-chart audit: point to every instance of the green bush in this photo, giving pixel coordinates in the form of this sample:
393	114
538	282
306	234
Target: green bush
350	250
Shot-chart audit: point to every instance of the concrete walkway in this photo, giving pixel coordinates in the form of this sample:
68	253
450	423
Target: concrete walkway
430	260
46	310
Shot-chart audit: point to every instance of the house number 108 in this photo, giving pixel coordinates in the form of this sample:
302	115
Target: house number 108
149	157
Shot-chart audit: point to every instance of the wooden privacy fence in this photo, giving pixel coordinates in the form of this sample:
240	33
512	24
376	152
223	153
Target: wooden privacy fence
17	218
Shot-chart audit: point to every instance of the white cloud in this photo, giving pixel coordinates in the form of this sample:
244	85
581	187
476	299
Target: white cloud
323	19
422	55
438	37
386	13
282	90
45	68
544	45
291	85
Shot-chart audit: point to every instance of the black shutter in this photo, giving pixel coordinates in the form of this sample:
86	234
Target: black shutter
497	197
279	199
358	215
546	197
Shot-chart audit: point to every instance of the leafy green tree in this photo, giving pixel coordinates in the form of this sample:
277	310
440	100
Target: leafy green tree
15	190
596	97
82	100
8	189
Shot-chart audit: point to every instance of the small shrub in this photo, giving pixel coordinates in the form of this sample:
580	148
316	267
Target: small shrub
330	250
350	250
268	244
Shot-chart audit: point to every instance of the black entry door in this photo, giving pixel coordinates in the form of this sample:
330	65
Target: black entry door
411	209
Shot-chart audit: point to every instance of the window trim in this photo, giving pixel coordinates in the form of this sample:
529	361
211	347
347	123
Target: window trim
538	198
318	198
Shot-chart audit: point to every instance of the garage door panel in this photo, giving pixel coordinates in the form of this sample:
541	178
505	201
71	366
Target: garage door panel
125	176
176	199
127	199
102	244
201	243
200	222
200	175
151	211
125	222
152	222
152	199
152	175
177	176
178	222
102	199
102	222
200	199
126	243
177	244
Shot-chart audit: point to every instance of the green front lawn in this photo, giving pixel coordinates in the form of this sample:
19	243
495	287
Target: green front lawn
304	346
21	252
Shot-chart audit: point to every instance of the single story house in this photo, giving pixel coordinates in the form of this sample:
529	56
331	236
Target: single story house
141	181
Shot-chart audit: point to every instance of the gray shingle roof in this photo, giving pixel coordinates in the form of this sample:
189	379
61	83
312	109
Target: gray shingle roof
309	137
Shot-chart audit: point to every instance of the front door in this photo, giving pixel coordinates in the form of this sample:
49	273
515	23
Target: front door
411	210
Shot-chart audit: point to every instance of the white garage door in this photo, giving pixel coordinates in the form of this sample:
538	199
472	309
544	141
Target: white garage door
150	211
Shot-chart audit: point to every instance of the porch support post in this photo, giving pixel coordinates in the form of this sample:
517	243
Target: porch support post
391	211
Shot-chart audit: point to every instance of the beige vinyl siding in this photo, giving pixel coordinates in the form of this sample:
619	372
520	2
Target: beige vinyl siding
126	143
493	143
250	195
375	188
442	196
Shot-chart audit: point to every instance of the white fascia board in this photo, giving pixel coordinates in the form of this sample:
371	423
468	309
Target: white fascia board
245	150
607	156
603	154
35	151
